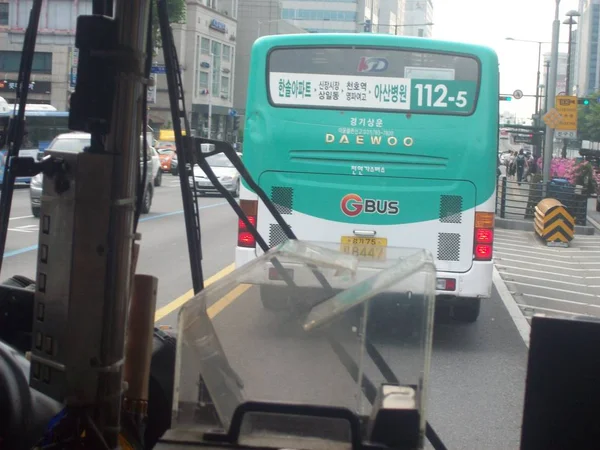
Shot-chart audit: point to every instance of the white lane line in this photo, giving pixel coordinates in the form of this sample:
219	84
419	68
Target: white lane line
549	280
560	300
19	218
546	259
549	251
536	264
559	311
523	326
505	266
566	291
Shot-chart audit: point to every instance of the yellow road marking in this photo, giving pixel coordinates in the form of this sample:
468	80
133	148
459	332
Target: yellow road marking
182	300
226	300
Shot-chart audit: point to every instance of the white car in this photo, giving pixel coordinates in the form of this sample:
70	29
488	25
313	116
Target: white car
224	171
156	172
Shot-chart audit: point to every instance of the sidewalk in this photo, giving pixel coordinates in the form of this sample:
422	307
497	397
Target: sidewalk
553	281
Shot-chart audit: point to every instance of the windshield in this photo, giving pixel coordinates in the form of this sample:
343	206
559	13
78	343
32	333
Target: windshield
313	350
71	145
388	79
219	160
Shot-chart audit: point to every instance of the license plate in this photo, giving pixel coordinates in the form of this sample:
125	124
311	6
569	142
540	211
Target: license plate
364	247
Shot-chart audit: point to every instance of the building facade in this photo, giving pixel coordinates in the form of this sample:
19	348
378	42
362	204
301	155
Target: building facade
331	16
391	16
418	18
561	74
256	18
206	48
588	50
52	77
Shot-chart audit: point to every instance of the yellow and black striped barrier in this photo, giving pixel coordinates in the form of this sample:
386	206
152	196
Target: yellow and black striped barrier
553	223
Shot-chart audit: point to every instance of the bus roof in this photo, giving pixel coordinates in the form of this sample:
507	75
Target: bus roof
370	39
38	113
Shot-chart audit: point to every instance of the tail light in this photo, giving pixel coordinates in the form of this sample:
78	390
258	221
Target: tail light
445	284
484	236
245	238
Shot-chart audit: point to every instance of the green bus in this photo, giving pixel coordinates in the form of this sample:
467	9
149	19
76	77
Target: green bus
374	140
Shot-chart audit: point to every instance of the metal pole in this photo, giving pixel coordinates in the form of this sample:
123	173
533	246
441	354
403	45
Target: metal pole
551	90
210	88
568	87
547	77
569	58
123	142
537	85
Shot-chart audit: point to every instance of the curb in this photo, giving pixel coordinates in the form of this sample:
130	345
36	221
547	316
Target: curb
512	307
593	222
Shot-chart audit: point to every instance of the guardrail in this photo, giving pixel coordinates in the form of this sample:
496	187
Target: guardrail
518	200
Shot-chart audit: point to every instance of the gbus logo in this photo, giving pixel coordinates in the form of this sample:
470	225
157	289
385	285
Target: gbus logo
353	204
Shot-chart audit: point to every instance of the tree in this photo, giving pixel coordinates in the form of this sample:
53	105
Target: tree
176	10
588	121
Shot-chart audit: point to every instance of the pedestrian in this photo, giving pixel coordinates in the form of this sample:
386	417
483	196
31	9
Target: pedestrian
520	163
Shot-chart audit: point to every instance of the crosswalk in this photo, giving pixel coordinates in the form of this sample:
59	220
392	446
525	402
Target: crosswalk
553	281
34	228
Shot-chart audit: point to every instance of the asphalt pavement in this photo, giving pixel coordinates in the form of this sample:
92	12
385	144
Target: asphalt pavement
478	370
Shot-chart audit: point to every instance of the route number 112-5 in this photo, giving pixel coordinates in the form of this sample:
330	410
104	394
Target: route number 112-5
425	94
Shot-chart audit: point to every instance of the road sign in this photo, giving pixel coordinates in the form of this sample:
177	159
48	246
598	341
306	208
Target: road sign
566	105
523	138
552	118
518	94
158	68
565	134
232	112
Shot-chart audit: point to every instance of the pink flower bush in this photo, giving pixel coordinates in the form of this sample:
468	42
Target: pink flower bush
566	168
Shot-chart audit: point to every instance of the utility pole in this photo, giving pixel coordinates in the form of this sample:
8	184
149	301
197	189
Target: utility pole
210	89
551	93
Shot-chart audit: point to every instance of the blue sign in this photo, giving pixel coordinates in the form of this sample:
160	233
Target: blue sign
232	112
219	26
158	69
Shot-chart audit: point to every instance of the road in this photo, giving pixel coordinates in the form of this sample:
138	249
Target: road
478	371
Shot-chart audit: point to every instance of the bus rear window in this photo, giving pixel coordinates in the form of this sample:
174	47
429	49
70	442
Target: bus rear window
379	79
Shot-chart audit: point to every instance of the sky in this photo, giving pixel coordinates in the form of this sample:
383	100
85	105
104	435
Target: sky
490	22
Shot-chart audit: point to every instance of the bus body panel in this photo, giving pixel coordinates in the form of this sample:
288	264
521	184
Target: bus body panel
437	215
439	168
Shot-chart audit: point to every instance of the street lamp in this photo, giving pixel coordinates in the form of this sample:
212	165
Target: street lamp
551	92
538	96
537	83
570	21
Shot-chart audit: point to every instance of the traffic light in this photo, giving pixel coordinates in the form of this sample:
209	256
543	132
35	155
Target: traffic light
236	122
505	98
583	101
367	26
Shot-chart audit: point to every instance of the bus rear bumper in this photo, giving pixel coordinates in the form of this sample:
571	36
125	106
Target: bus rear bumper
475	283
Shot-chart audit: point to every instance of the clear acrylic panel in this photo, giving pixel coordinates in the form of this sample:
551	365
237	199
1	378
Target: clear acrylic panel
294	326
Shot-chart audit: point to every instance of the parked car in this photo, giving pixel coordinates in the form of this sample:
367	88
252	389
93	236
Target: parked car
166	156
156	172
75	142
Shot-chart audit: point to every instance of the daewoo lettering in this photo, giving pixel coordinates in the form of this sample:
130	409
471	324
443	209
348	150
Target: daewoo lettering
361	139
